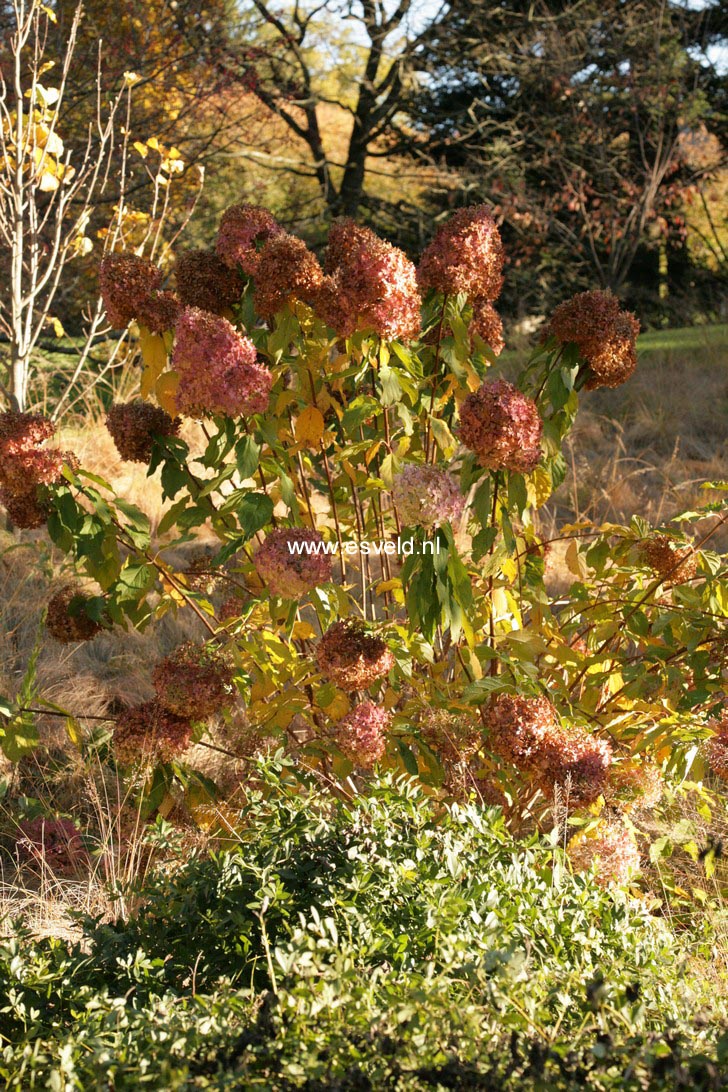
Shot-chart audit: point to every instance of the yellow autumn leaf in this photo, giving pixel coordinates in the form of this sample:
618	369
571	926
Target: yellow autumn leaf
339	707
75	734
166	391
303	631
310	426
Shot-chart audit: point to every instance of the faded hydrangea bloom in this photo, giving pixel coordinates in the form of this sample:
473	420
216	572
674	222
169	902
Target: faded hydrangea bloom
454	737
218	368
502	427
287	572
426	496
675	564
369	284
148	733
204	281
353	658
604	335
194	681
243	231
287	269
634	785
66	617
612	847
126	283
26	468
134	426
466	255
486	323
361	733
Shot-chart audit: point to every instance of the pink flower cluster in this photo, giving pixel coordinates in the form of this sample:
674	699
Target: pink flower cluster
55	843
66	617
218	368
716	750
26	468
369	284
351	657
604	335
486	324
502	426
148	733
287	269
527	732
204	281
426	496
287	573
134	425
130	290
361	733
466	255
194	682
612	847
243	231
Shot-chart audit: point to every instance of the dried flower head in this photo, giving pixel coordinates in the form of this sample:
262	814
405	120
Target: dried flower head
674	564
243	231
218	368
159	311
604	335
502	426
634	785
370	285
486	324
26	469
716	749
466	255
287	269
148	733
361	733
195	681
612	847
455	738
206	282
55	843
67	619
291	561
126	282
426	496
351	657
134	427
576	761
519	729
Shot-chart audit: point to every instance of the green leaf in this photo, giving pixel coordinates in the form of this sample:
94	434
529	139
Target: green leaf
254	511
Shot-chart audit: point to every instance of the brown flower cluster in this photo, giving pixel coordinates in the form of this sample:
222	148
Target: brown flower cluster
527	732
605	336
26	468
55	843
361	733
674	564
204	281
612	847
351	657
454	738
130	290
466	255
487	324
66	617
634	786
716	749
243	231
134	425
195	681
502	426
369	284
148	733
287	269
286	572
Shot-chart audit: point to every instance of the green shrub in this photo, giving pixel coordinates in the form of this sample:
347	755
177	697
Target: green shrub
370	945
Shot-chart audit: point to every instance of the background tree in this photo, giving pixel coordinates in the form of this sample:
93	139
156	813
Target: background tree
568	118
